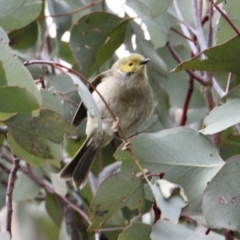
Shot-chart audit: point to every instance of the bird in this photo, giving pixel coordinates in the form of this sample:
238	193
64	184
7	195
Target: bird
126	89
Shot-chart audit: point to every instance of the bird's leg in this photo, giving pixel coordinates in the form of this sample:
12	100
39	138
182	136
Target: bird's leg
127	145
115	124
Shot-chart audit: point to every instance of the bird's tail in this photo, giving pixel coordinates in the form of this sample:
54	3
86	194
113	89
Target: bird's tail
80	165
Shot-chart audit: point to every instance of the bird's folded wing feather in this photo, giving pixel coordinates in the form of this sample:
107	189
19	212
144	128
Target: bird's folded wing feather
81	112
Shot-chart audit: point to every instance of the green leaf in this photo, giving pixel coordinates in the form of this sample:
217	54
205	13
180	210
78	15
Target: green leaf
148	50
219	58
115	192
48	124
34	160
221	200
25	188
54	209
9	6
159	27
24	38
157	7
177	152
37	135
136	231
17	100
222	117
15	73
224	29
19	13
52	101
94	39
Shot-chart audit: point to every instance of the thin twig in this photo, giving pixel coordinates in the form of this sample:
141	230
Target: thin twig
82	77
226	18
179	60
187	101
10	186
181	34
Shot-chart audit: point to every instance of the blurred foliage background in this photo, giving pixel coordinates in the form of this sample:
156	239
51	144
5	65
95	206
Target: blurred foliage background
190	146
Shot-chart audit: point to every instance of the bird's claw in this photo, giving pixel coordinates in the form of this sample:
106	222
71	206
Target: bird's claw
126	146
115	125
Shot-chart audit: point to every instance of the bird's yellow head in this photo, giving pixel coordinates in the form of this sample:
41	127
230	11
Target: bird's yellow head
134	63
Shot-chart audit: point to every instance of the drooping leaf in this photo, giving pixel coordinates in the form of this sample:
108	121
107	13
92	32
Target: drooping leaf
49	152
115	192
222	117
53	208
48	124
94	38
221	199
38	136
177	152
15	73
219	58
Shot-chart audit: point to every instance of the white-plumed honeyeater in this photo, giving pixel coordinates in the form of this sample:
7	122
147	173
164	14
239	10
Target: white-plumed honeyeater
126	89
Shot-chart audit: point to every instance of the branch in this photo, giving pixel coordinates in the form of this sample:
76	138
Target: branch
190	72
10	186
187	101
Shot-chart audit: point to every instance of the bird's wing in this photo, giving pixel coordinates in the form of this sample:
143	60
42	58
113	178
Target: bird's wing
81	112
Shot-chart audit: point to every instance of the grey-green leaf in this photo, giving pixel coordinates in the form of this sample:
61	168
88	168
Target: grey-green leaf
114	193
221	199
222	117
177	152
221	58
94	39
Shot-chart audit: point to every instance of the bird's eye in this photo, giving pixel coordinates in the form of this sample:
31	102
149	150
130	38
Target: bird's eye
130	64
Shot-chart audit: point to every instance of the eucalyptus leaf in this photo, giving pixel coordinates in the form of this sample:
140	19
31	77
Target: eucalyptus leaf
17	100
45	151
221	199
25	188
114	193
224	30
15	73
177	152
22	13
218	58
163	230
94	38
136	231
222	117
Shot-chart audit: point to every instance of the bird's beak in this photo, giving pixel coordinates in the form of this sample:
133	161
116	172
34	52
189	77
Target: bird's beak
144	61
